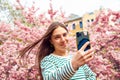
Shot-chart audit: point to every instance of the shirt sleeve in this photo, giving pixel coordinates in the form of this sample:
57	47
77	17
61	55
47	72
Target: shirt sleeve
90	75
51	72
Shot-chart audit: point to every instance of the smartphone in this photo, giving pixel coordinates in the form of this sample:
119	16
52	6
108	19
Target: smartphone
81	38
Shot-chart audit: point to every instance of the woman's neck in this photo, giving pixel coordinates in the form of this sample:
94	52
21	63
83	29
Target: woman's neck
60	53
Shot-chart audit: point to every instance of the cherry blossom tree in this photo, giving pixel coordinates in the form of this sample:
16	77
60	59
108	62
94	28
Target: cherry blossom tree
105	38
26	28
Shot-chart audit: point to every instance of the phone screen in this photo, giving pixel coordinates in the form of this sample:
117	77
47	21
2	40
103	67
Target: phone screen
81	39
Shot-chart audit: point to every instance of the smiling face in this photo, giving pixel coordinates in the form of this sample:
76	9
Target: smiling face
59	40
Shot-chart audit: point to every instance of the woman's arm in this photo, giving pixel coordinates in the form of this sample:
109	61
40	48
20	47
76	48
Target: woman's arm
90	75
51	72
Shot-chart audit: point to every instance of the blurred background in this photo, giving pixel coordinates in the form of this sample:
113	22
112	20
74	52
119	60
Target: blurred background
25	21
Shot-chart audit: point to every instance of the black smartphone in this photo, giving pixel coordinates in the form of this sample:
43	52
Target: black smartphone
81	38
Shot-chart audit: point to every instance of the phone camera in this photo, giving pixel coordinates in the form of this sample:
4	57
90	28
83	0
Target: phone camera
78	34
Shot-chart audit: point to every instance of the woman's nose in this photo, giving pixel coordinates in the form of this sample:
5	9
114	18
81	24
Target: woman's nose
62	38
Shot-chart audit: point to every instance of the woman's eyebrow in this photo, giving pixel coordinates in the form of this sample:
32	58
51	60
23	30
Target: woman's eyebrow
59	34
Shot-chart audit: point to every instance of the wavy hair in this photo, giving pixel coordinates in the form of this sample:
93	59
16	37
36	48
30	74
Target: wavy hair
44	45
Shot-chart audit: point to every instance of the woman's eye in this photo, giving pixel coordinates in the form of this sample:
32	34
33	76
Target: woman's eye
65	34
59	36
56	37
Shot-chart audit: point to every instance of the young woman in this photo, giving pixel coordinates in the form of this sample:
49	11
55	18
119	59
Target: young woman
54	61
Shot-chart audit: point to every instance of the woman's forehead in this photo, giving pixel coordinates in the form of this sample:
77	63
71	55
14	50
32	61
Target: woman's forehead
59	30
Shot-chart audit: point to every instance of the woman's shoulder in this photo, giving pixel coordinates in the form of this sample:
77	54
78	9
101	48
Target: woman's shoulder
48	57
53	57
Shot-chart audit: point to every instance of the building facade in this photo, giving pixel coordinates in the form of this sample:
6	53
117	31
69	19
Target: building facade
81	23
74	25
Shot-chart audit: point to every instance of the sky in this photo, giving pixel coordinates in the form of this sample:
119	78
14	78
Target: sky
78	7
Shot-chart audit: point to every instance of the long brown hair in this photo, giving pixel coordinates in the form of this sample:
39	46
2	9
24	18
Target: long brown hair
44	46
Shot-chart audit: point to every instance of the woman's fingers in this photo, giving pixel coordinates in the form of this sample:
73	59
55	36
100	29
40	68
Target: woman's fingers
82	57
85	56
88	59
85	45
89	51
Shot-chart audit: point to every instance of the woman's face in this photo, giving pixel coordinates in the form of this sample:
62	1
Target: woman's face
59	39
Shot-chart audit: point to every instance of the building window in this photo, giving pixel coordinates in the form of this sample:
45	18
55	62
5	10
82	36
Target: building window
91	13
88	20
81	24
66	26
92	20
73	26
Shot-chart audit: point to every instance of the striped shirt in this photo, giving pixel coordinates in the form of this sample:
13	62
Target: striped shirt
59	68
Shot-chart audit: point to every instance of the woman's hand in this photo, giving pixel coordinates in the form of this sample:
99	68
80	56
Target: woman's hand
82	57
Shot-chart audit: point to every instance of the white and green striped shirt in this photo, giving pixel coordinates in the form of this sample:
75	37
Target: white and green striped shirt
60	68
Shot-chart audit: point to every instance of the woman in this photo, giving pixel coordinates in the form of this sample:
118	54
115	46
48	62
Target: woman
55	63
